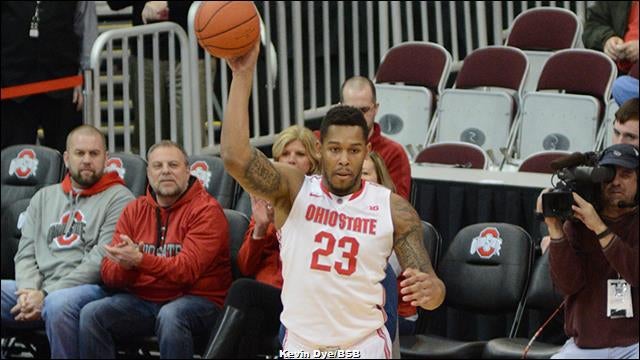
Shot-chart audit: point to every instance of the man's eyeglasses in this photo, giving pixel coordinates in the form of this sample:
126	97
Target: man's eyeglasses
366	109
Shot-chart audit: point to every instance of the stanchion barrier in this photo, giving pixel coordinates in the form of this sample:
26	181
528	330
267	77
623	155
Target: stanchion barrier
40	87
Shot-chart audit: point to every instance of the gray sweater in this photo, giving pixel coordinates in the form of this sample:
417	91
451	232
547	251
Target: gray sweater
64	234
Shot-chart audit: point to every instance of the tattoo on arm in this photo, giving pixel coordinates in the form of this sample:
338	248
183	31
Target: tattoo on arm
261	175
407	236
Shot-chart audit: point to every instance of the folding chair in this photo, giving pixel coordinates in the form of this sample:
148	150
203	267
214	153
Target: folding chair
409	80
541	31
455	154
481	106
540	162
572	119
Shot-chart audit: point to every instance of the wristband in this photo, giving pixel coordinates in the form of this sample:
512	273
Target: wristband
606	232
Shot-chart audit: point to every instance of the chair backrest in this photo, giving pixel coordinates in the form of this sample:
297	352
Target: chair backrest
132	169
486	268
493	66
541	31
540	162
416	63
210	171
459	154
579	71
238	224
542	294
432	242
405	113
11	234
545	29
242	202
26	169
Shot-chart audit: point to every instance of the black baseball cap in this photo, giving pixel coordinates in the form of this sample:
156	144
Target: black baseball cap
624	155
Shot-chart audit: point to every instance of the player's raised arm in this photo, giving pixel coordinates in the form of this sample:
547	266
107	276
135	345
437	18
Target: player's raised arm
246	164
422	286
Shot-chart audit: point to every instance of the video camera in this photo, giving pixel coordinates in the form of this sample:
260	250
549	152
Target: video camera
579	173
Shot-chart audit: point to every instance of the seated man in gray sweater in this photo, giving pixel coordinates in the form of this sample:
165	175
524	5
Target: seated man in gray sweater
62	245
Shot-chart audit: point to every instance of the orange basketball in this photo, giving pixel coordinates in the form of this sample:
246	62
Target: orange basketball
227	28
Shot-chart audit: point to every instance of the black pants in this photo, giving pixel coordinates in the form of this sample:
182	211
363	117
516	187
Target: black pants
22	117
262	306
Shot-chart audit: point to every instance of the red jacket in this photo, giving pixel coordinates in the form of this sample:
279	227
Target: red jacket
396	160
261	258
193	259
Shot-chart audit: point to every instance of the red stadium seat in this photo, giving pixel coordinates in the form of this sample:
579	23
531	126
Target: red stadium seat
541	31
457	154
540	162
484	101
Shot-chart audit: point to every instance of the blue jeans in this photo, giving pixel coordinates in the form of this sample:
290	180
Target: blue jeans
124	315
571	351
624	88
390	285
406	327
60	315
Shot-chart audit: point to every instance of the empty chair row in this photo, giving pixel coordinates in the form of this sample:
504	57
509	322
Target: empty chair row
486	105
536	93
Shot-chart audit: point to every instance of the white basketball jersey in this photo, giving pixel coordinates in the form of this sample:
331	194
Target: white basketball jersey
334	251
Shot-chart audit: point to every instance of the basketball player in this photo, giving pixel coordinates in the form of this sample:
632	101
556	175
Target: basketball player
336	232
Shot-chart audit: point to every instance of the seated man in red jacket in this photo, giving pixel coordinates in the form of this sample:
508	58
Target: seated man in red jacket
169	259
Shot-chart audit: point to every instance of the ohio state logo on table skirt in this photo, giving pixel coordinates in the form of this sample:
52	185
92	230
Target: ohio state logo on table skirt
115	164
25	164
487	244
200	169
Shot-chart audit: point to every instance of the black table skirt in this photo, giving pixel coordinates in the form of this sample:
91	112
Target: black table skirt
450	206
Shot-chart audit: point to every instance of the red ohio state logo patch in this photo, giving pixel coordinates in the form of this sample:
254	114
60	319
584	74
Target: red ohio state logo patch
487	244
25	164
115	164
69	232
200	169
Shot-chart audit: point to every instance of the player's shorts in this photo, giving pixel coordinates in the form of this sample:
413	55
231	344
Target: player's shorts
376	345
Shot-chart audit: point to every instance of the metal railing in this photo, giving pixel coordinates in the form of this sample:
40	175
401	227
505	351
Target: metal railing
318	45
105	43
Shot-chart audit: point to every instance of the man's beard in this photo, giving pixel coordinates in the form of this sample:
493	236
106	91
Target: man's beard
85	182
175	192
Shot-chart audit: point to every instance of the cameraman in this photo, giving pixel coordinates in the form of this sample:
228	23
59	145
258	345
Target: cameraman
594	262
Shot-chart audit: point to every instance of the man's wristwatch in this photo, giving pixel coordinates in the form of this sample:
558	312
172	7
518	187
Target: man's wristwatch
606	232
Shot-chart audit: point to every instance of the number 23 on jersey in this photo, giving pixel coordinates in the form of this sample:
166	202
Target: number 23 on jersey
349	247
